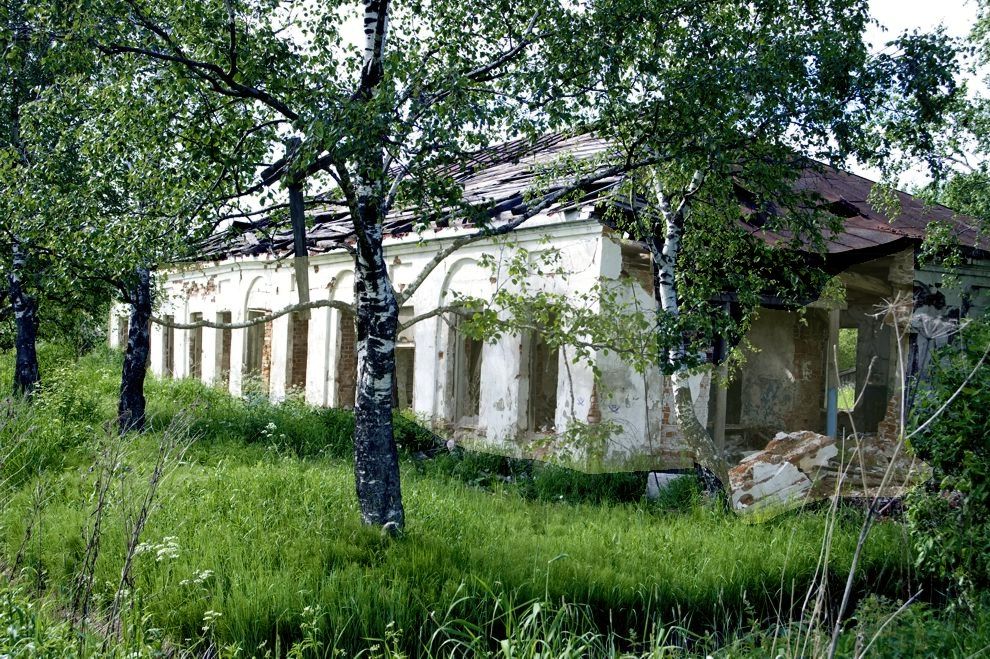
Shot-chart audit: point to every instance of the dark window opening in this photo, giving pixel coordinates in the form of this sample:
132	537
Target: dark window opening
405	359
405	362
257	349
543	367
467	378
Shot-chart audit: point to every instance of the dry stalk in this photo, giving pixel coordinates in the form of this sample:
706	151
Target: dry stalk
37	504
892	308
171	448
108	464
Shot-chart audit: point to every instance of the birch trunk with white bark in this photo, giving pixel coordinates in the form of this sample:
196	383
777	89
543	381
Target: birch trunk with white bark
665	248
376	459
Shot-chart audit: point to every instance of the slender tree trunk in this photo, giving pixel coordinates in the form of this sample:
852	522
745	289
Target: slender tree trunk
376	459
131	408
710	466
25	306
301	252
297	213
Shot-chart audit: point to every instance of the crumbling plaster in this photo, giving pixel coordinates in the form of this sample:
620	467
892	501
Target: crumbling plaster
781	385
258	283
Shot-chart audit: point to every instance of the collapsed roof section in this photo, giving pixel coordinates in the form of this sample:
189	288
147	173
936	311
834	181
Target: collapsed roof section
495	183
498	184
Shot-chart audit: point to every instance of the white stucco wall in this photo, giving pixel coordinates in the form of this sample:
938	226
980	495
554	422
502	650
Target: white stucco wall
633	401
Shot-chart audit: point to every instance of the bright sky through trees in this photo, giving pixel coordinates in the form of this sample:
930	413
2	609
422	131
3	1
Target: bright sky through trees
958	16
897	16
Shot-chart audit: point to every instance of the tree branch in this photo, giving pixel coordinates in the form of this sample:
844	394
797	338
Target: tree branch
458	309
483	73
261	320
232	43
222	81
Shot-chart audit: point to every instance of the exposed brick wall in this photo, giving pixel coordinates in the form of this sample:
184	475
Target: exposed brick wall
810	348
300	352
671	447
223	374
889	429
196	348
346	363
258	351
266	357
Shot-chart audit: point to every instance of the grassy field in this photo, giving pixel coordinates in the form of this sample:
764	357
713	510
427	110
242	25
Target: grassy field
253	546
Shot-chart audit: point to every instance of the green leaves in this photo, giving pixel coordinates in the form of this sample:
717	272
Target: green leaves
949	520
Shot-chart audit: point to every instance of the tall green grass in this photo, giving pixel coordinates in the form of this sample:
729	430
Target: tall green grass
256	543
283	534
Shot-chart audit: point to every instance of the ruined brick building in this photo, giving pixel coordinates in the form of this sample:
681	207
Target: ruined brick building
506	393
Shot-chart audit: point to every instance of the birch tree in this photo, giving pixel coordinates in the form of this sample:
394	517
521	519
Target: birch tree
119	178
24	69
960	158
382	119
749	96
386	120
734	101
31	65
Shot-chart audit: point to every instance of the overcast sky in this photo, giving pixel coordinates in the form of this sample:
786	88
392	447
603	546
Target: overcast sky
899	15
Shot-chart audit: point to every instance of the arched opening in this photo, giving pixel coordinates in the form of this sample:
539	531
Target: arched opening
463	353
539	369
466	353
405	363
258	350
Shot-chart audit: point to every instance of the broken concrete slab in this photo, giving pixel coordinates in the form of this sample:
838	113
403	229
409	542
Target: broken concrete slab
806	466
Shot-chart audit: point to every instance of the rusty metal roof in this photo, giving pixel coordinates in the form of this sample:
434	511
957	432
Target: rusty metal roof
495	183
867	229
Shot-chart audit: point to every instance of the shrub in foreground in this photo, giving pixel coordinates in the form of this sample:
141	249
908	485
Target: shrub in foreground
950	518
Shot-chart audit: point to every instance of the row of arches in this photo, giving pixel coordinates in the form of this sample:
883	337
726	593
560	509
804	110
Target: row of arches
441	372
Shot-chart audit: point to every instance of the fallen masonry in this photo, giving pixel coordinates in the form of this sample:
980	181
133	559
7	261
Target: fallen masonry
806	466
